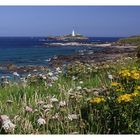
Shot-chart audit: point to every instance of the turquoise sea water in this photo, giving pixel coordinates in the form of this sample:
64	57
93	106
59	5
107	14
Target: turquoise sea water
32	51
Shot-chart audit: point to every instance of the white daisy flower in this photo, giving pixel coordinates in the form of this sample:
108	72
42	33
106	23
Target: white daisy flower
72	117
41	121
62	103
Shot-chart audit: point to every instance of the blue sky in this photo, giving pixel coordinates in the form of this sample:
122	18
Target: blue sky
93	21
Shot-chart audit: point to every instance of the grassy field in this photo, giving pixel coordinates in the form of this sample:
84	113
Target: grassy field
81	99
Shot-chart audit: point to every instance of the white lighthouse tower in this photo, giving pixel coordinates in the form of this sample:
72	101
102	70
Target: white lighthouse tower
73	34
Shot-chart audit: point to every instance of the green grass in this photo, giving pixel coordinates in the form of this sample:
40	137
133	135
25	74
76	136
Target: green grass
104	118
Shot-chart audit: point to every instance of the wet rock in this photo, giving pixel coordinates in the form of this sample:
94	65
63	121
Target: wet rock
11	67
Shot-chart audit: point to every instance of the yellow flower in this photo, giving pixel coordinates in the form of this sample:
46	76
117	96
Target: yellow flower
120	89
135	94
135	76
133	71
114	84
124	98
137	88
125	73
97	100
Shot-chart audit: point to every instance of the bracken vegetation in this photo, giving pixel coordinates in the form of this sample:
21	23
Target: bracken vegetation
134	40
78	99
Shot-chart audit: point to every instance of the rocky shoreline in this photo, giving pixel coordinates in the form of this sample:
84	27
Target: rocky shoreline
106	55
22	69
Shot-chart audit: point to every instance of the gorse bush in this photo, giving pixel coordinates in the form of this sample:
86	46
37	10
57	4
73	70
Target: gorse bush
119	111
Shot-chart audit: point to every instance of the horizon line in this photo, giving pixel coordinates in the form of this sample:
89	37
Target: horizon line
49	35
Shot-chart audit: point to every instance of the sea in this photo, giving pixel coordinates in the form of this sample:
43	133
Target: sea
33	51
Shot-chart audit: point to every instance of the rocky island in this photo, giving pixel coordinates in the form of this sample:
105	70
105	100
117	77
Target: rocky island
68	40
69	37
73	40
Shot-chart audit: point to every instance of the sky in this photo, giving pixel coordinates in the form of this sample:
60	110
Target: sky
98	21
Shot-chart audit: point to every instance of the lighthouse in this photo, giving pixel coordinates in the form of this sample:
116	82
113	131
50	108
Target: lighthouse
73	34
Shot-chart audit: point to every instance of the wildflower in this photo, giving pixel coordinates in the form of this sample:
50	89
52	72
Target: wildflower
78	87
46	110
17	118
53	99
121	89
23	80
48	106
15	74
57	69
28	109
44	77
41	121
96	68
50	85
135	94
110	76
50	74
29	75
56	116
54	78
95	93
135	76
74	78
72	117
125	73
97	100
70	90
40	102
81	82
114	84
137	88
124	98
36	110
62	103
8	126
3	118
